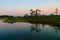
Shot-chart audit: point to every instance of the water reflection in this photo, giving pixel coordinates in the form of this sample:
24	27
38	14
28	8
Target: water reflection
35	27
38	27
10	22
26	31
56	27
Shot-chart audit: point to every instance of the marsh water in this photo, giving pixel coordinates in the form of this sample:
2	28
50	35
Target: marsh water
28	31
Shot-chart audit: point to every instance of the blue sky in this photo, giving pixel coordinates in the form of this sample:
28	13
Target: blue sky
14	6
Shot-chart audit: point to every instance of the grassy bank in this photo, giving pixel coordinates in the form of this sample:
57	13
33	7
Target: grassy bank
50	19
46	19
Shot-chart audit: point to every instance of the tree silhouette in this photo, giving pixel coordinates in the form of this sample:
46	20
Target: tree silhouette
51	14
56	10
31	10
36	12
26	15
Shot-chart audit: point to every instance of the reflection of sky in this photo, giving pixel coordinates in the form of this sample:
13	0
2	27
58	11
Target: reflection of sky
23	31
22	6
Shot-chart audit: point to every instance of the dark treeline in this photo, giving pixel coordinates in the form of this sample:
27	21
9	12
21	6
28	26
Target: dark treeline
34	17
49	19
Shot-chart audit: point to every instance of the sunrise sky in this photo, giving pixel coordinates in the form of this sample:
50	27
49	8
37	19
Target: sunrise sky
21	7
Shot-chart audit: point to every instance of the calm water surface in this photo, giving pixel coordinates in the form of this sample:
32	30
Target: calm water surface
27	31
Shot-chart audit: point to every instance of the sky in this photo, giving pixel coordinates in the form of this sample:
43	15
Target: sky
21	7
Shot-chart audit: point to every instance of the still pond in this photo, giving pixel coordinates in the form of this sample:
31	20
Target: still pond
28	31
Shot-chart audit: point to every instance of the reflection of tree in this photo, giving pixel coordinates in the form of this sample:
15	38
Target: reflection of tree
56	27
9	21
35	27
43	25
